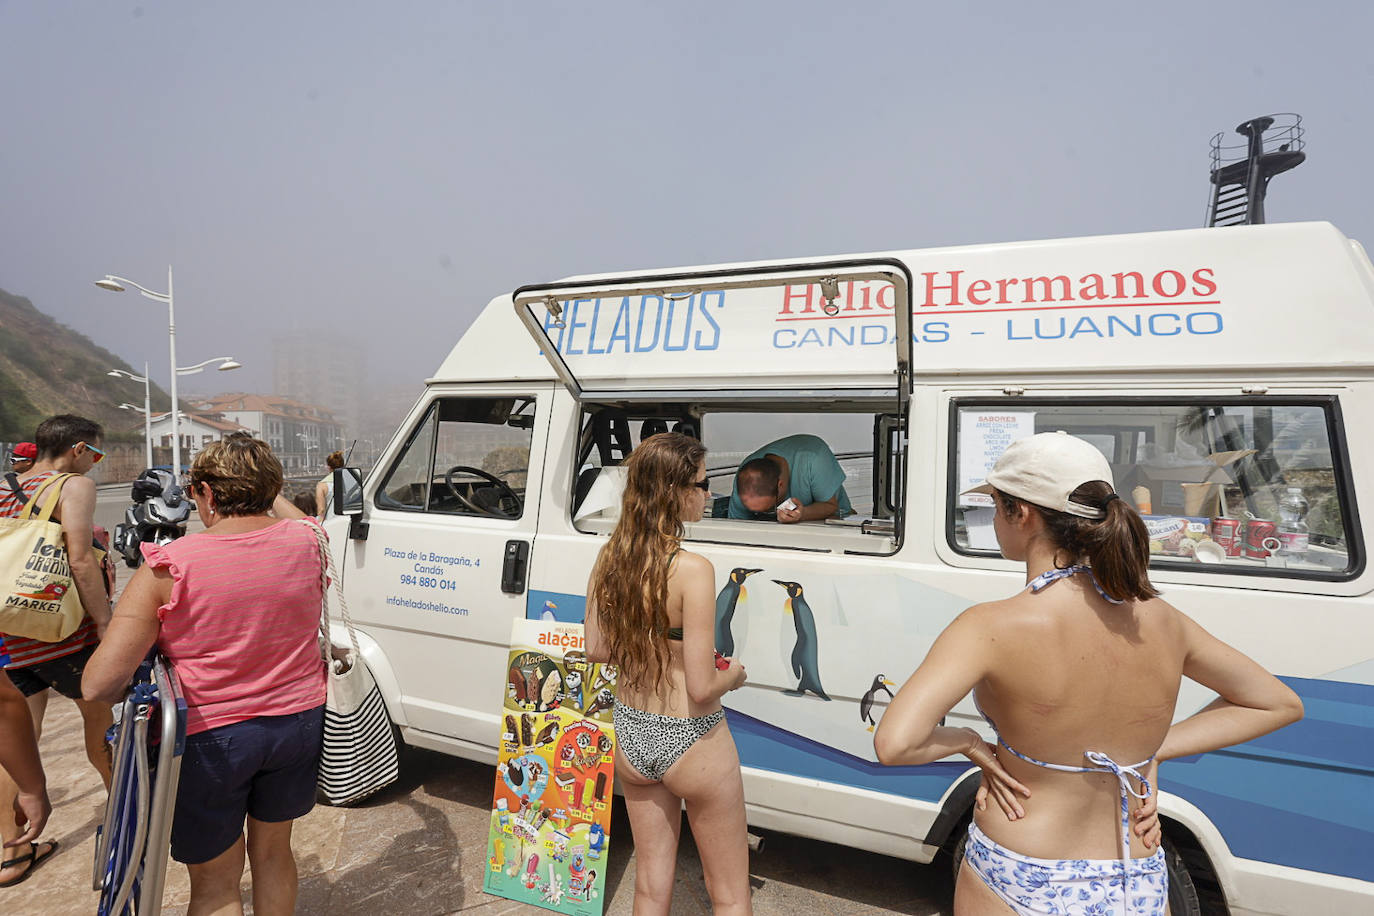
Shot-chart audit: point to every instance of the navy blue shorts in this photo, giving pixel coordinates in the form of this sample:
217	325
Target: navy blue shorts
264	767
61	674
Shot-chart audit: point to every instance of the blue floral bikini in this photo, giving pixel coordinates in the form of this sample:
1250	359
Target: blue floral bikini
1074	887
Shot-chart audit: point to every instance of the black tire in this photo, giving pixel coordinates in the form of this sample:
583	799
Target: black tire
1183	895
956	851
1183	899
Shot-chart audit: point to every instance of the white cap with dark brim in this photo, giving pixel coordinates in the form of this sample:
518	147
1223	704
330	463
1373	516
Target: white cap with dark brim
1045	469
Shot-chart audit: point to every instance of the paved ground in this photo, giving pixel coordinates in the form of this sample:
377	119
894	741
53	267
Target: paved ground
419	849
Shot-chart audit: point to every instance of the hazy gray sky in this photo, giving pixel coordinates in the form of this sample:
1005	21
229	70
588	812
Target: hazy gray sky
387	168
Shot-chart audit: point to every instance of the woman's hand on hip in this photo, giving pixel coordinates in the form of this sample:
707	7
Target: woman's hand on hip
1146	817
997	782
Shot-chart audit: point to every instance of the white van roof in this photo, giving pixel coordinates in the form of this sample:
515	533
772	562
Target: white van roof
1292	294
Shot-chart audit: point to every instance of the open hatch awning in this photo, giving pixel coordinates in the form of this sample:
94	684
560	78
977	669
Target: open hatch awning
842	325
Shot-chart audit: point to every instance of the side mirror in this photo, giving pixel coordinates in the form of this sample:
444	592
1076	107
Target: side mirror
348	500
348	491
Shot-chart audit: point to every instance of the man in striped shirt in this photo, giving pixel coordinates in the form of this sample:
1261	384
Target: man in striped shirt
67	444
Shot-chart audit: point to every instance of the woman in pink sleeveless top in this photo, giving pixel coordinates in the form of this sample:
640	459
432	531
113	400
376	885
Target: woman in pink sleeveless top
237	611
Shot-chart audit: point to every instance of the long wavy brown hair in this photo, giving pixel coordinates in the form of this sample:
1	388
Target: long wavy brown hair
630	580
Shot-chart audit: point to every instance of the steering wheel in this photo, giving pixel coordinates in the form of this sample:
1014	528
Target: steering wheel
503	491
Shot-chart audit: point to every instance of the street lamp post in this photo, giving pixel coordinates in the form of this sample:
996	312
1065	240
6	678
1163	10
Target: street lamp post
305	443
147	407
226	363
117	284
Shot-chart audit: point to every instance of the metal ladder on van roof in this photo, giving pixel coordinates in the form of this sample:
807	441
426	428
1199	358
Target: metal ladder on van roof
1241	172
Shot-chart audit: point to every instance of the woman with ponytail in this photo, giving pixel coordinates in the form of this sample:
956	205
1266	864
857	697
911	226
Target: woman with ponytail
1077	674
651	613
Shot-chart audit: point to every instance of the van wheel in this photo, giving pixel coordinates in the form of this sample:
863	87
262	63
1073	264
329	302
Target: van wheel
1183	895
956	851
1183	899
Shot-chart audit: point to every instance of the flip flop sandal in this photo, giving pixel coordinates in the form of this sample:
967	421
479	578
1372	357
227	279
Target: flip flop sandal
34	860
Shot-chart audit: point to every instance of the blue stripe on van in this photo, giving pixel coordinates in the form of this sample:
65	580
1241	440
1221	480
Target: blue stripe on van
1303	796
767	747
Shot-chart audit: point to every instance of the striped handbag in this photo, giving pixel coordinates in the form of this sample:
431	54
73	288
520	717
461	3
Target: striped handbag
359	756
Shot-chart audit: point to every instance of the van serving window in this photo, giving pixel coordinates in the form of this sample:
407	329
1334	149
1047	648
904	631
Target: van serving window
468	456
862	435
770	327
1258	486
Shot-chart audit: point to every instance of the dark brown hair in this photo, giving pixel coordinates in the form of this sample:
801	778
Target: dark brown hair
1117	547
630	580
759	477
57	434
242	473
334	461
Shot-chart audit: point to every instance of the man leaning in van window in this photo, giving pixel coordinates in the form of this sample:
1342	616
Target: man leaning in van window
795	479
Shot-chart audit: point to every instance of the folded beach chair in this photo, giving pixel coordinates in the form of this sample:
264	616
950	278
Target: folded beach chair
132	843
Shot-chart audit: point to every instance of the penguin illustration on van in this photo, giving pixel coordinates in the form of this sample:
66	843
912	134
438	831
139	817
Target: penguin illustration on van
805	663
868	699
726	603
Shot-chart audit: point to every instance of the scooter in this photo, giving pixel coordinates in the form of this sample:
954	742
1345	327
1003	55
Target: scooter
158	515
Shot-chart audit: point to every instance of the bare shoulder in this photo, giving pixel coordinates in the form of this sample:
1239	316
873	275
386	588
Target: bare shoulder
988	616
77	485
693	565
1163	614
78	492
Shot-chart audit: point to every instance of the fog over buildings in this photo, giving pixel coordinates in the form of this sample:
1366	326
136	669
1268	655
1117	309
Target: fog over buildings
340	188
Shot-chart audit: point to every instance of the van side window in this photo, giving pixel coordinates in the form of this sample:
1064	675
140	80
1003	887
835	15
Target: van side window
407	483
858	449
1258	487
468	456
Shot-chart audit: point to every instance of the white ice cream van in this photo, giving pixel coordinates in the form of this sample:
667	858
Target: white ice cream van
1226	374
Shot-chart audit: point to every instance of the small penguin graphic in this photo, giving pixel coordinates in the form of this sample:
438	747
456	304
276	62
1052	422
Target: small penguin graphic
805	664
572	688
726	602
866	702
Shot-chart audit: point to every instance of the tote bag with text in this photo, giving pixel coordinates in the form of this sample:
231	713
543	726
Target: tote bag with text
40	599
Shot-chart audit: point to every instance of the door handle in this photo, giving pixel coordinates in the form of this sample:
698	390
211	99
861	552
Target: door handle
517	557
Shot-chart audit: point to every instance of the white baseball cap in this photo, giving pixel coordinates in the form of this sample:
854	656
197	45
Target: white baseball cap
1045	469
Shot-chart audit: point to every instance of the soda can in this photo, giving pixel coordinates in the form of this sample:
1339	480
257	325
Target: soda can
1226	532
1260	541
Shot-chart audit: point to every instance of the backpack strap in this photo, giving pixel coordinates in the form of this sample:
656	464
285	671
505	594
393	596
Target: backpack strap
12	479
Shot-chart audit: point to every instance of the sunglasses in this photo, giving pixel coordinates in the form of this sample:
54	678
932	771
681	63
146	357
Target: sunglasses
703	485
99	453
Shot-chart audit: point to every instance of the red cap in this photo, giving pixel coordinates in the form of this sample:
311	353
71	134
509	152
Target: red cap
25	450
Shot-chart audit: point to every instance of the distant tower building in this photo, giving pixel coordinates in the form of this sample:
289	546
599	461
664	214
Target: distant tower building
1241	172
325	369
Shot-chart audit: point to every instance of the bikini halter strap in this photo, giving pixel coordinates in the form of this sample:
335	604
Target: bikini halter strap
1050	576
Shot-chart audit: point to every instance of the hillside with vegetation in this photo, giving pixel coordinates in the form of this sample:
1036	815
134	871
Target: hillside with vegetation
47	368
